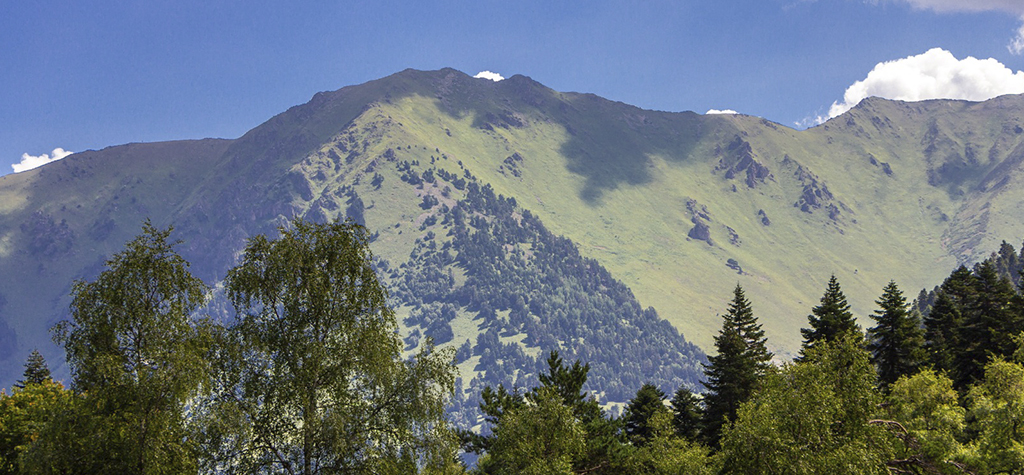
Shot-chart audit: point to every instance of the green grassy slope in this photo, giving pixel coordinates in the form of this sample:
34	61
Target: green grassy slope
678	206
60	222
625	184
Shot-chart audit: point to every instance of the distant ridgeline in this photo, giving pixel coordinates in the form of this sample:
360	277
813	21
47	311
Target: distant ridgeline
490	265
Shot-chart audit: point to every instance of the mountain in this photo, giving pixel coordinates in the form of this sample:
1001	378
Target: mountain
545	218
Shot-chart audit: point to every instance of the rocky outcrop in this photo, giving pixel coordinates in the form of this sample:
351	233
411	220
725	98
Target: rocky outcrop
738	160
701	232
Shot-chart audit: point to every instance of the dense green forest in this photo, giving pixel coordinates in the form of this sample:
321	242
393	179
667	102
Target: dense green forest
309	376
532	290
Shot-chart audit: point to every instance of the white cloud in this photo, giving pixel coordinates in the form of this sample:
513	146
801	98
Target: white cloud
1015	7
1016	45
29	162
489	75
716	111
935	74
1010	6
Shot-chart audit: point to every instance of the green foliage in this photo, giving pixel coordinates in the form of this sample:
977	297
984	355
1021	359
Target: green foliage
310	378
36	370
138	361
812	417
494	405
542	437
990	320
566	381
23	415
648	403
946	317
896	342
975	316
996	405
830	319
928	421
687	412
667	454
734	373
603	443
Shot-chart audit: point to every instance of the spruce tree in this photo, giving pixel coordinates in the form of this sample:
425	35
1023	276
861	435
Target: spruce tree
733	374
988	325
640	411
687	413
36	371
567	381
896	342
829	320
1008	263
944	321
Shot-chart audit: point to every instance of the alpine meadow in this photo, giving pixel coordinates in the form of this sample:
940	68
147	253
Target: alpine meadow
438	273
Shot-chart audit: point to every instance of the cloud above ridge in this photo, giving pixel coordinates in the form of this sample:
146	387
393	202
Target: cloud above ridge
934	74
489	75
29	162
716	111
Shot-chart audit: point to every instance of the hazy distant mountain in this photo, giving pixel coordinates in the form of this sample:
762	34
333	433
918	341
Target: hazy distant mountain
672	208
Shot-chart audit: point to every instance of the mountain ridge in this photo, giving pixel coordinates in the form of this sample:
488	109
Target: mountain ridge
678	206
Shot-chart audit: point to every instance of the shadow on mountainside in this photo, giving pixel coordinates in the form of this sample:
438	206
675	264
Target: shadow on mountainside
610	143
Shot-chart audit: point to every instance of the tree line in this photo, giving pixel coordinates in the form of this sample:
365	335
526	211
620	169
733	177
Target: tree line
308	377
938	393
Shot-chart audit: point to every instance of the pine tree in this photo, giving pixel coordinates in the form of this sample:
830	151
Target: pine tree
733	374
1008	263
924	301
36	371
687	413
942	323
640	411
567	381
897	341
989	322
830	319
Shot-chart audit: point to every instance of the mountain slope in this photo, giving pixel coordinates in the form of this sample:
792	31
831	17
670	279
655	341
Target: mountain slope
678	207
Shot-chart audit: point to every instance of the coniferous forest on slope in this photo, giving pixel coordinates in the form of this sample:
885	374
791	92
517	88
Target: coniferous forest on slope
497	347
530	289
309	375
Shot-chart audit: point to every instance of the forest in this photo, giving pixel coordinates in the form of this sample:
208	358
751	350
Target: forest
524	283
309	375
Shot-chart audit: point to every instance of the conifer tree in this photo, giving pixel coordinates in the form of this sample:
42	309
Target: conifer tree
567	381
830	319
942	323
687	413
641	410
896	341
733	374
989	323
36	371
1008	263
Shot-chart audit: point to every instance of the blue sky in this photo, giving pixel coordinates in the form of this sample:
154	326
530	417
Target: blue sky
79	76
